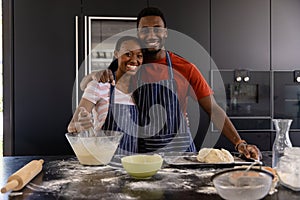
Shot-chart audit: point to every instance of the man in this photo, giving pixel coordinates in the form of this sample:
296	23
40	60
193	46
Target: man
152	31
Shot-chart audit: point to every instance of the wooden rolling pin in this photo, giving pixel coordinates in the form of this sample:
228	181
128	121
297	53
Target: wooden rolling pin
20	178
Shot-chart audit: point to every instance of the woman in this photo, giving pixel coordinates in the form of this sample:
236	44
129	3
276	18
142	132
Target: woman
112	106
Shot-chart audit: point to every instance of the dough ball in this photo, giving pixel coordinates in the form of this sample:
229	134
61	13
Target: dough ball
227	155
211	155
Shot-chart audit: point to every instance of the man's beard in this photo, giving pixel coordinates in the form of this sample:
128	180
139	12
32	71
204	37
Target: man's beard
151	52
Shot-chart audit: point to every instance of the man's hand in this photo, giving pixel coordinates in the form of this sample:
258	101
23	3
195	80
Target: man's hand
249	151
103	76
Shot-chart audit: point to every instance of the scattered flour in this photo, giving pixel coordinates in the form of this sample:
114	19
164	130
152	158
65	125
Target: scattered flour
207	190
104	182
144	184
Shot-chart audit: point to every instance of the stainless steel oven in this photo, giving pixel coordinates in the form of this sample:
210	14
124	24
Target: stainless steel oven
248	98
287	97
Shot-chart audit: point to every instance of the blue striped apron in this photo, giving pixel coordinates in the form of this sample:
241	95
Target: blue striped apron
163	127
122	118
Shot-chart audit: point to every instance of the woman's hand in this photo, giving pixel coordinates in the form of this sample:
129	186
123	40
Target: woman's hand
85	120
71	127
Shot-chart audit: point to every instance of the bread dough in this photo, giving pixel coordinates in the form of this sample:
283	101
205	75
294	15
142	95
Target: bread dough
211	155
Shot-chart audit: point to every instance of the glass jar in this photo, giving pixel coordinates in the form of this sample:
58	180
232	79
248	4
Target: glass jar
282	139
288	168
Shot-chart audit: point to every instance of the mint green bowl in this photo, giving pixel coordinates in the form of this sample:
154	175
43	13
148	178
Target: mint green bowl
142	166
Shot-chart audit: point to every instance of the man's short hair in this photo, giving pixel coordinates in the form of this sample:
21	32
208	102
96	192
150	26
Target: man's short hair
151	11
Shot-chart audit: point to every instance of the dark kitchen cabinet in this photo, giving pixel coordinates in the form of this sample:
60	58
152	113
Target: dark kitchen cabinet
113	8
42	67
294	137
285	34
262	140
240	34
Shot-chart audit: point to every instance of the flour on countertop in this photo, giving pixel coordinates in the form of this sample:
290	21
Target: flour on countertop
177	179
207	190
104	182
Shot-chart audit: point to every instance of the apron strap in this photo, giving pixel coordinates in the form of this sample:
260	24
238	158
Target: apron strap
170	70
111	91
170	67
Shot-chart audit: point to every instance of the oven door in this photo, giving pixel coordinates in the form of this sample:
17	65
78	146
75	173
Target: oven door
248	103
287	98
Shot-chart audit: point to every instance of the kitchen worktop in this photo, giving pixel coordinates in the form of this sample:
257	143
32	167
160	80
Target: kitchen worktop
63	177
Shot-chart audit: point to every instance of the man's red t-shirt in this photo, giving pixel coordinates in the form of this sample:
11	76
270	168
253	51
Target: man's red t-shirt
189	80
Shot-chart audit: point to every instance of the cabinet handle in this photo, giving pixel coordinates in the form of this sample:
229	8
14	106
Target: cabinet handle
76	62
85	46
